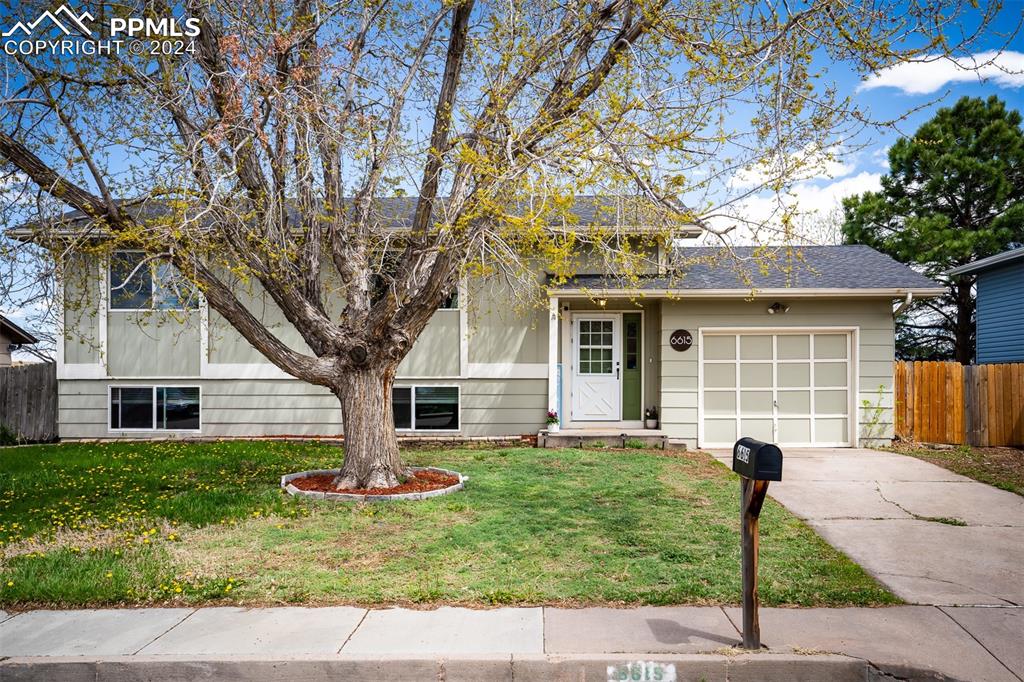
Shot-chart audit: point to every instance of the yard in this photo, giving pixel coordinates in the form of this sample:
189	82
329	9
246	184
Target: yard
1002	467
167	523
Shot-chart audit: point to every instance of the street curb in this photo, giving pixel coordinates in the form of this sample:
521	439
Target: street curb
763	667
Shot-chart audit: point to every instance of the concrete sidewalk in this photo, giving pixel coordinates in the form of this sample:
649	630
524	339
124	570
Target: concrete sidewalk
892	514
914	642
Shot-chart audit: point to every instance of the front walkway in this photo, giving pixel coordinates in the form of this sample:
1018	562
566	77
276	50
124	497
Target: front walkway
931	536
524	643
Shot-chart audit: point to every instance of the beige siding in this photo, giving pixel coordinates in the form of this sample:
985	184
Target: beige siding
289	407
81	311
153	344
5	354
227	346
875	353
502	330
436	352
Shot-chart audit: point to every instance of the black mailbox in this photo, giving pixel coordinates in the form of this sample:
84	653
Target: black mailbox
757	460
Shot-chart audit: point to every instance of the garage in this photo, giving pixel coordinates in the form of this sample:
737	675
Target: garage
792	387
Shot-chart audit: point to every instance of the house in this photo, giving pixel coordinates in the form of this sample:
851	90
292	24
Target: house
793	345
12	337
998	316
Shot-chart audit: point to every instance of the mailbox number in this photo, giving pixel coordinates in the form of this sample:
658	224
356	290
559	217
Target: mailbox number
743	454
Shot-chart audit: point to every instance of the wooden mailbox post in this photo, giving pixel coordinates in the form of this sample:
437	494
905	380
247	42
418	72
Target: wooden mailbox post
757	463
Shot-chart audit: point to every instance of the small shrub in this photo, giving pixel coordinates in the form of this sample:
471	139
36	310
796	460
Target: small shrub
636	444
599	444
7	437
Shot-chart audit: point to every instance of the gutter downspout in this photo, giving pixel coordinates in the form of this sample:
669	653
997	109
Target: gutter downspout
903	306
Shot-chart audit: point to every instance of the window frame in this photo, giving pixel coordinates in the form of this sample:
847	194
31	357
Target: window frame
153	421
454	295
153	287
412	407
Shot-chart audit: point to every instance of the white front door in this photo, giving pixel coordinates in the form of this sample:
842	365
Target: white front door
596	368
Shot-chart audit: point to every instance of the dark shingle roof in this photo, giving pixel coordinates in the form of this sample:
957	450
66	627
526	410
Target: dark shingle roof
628	213
15	333
749	268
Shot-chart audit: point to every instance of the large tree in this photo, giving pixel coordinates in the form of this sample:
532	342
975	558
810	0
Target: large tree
954	193
264	153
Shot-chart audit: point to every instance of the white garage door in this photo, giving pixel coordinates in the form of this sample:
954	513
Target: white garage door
782	387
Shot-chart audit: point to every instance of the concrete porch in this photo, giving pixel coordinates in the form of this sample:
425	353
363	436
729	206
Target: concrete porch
611	437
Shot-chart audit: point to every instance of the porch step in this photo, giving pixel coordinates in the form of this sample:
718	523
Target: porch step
577	438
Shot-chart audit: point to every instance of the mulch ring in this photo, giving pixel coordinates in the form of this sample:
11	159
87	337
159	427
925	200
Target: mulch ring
419	482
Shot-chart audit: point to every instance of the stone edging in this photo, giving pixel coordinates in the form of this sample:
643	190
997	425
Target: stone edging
286	485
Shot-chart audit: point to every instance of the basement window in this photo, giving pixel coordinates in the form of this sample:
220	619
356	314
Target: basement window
154	408
425	408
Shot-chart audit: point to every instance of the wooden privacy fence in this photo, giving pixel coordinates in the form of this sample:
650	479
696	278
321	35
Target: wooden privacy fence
946	402
28	401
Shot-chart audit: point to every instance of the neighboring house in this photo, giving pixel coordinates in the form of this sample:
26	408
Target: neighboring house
999	314
12	337
787	349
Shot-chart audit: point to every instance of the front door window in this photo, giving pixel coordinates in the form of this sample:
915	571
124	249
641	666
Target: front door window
596	346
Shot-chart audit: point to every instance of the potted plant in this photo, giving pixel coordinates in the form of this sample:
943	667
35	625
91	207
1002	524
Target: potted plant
651	417
552	421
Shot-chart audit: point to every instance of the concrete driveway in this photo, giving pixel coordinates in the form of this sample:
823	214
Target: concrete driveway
900	517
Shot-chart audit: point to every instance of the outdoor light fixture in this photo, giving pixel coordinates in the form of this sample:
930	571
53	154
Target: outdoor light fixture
778	308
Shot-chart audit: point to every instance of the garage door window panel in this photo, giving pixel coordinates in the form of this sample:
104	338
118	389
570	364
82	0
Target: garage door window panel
720	403
830	374
794	346
720	347
757	428
830	402
794	375
720	376
794	430
757	375
794	403
830	346
756	402
756	347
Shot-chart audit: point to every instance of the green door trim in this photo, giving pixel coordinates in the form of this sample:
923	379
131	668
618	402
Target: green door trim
632	366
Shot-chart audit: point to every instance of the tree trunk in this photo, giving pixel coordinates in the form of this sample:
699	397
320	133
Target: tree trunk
964	332
372	459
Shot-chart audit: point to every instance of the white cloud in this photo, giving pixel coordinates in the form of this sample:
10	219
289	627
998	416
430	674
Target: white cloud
812	162
881	156
921	78
809	197
756	219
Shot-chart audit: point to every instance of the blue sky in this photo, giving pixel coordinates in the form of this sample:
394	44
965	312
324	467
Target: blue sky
920	88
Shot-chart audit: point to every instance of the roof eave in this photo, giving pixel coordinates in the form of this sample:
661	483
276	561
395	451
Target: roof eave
16	334
988	263
794	292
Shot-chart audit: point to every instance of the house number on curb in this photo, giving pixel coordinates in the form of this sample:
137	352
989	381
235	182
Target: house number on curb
642	671
680	340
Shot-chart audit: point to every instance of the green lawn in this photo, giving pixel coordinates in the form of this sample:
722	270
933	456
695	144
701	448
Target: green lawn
90	524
